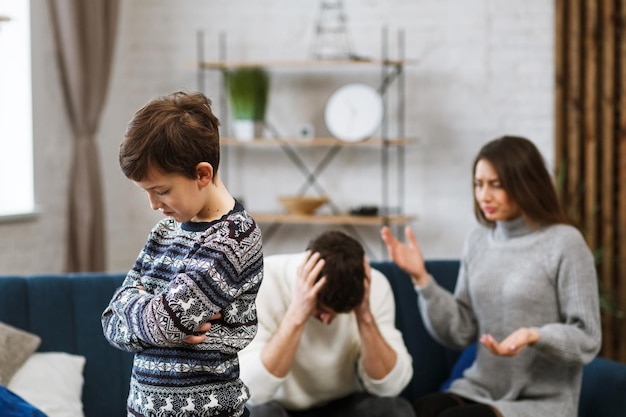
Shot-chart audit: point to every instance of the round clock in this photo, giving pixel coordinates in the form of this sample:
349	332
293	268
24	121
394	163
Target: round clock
354	112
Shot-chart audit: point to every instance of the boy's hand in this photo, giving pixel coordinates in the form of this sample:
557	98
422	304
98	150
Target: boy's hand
200	333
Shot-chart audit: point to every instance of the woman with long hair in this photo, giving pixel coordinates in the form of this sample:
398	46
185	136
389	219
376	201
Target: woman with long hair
526	293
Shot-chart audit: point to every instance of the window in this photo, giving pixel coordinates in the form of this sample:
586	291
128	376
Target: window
16	132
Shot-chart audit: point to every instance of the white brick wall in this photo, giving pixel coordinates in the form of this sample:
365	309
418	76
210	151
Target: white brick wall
484	68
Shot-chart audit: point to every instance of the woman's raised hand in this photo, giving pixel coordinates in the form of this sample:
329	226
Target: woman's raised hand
407	256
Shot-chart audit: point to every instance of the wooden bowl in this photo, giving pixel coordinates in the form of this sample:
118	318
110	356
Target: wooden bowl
300	204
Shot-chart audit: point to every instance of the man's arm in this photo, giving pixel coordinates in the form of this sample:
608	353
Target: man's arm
263	368
378	357
280	351
385	366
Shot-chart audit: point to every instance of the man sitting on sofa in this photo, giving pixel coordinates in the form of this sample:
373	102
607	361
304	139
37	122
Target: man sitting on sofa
326	342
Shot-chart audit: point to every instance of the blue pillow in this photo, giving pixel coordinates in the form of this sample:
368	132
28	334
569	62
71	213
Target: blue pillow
13	405
465	361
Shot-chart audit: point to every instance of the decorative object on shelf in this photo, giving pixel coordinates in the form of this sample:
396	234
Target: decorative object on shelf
300	204
331	33
354	112
364	211
306	131
248	90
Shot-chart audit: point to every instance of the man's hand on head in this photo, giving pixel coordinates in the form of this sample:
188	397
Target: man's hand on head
305	291
279	352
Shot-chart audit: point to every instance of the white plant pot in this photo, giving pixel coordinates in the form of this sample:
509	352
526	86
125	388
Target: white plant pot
244	130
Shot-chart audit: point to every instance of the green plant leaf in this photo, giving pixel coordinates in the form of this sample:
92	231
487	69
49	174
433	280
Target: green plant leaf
248	90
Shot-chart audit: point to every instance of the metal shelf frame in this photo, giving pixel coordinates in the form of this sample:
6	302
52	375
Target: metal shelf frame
392	74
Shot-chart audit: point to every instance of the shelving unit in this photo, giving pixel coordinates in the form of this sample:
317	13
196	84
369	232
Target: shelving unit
290	145
391	73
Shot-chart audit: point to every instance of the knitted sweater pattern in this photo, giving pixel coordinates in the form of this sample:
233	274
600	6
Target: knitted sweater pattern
515	276
189	272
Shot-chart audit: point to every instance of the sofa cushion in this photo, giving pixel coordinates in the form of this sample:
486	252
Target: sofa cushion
12	405
466	359
603	391
52	382
16	346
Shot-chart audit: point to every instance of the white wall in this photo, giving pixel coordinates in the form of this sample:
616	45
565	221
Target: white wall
484	68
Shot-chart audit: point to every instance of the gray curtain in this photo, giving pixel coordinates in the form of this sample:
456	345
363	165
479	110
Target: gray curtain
85	34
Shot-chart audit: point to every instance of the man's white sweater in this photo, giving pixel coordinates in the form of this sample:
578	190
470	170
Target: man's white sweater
327	365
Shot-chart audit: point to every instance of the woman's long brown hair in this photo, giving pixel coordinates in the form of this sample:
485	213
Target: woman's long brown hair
523	175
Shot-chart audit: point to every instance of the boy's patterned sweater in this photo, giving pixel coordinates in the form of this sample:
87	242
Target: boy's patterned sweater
185	274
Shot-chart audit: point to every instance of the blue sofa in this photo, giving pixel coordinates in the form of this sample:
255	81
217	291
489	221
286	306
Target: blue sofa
64	309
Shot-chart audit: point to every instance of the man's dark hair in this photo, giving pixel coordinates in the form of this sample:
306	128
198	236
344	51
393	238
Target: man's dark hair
344	270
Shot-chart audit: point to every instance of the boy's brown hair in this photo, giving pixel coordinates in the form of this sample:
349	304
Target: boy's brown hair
172	134
344	270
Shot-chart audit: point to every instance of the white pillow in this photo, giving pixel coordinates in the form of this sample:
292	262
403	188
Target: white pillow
52	382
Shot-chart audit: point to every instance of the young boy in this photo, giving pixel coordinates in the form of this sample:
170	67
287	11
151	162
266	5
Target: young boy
187	306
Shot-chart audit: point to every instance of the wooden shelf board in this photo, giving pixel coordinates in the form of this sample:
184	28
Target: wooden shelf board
330	219
228	141
330	63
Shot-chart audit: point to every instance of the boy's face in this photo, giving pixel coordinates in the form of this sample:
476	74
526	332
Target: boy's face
175	195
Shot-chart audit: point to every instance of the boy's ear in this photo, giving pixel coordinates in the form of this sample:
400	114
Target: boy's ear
204	173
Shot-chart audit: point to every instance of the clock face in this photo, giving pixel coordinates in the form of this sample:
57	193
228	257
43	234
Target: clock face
354	112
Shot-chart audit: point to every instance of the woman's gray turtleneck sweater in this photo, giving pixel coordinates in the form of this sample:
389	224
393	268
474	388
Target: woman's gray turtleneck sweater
514	276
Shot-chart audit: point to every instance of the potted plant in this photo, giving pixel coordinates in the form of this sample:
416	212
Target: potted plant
248	93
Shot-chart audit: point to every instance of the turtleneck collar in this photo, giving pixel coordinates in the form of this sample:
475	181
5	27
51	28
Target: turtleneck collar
511	229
